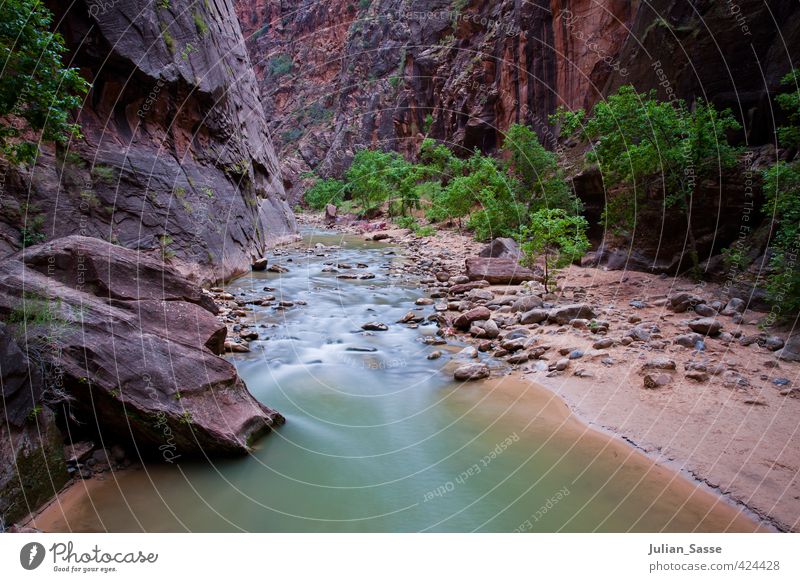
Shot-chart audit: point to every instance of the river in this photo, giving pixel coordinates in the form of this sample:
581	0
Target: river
379	438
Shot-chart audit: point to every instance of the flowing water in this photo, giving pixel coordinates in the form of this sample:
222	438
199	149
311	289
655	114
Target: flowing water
379	438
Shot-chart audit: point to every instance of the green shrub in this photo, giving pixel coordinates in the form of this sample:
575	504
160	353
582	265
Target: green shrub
35	86
200	24
542	184
325	192
555	235
406	222
643	146
376	177
280	65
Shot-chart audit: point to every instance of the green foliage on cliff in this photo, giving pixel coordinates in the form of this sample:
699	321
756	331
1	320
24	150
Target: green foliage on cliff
280	65
782	203
35	87
652	153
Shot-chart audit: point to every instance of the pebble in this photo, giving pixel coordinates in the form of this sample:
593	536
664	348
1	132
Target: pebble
659	381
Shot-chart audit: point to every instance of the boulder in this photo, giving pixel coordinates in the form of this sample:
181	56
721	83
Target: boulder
489	327
471	372
681	302
791	349
260	264
704	310
330	214
566	313
501	248
114	305
533	316
734	306
462	288
498	271
706	326
465	320
480	295
526	303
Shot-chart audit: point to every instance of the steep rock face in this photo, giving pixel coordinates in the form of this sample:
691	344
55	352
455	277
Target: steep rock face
385	74
177	157
31	454
131	347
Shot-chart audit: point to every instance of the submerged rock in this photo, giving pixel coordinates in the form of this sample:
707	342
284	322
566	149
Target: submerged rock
374	326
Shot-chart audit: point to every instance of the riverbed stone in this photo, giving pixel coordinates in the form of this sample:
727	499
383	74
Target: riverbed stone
653	382
526	303
704	310
689	340
464	321
374	326
533	316
565	313
706	326
659	363
735	305
604	343
471	372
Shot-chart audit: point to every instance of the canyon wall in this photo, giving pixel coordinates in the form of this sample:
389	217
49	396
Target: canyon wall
176	157
105	335
340	75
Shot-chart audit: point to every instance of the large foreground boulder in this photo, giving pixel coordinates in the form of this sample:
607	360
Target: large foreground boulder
499	271
135	348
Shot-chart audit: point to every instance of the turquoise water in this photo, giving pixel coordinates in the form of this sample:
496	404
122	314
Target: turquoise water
379	438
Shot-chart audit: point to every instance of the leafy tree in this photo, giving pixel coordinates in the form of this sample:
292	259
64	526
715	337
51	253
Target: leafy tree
782	189
325	192
440	161
782	192
34	85
643	145
542	183
488	185
789	135
557	235
376	177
